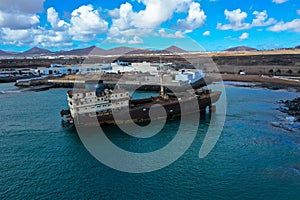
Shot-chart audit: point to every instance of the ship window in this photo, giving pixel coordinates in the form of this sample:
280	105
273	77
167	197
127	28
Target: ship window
121	95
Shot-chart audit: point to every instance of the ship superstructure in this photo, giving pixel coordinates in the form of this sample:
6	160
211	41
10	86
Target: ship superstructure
96	101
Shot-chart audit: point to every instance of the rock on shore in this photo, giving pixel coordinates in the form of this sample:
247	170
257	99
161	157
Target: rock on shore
291	107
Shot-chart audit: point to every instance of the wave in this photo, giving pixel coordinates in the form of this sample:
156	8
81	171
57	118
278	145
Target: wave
288	123
3	92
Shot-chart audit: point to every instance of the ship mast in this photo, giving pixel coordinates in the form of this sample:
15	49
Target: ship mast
162	92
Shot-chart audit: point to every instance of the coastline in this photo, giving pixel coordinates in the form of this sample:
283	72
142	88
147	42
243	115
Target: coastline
289	107
273	83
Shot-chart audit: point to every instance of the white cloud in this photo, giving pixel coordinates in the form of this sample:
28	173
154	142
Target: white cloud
18	14
183	6
21	6
237	19
16	37
56	23
52	17
51	38
114	13
18	21
128	23
157	12
57	36
293	25
35	37
135	40
244	36
206	33
125	40
21	29
122	28
121	40
86	23
260	19
279	1
195	18
125	17
162	32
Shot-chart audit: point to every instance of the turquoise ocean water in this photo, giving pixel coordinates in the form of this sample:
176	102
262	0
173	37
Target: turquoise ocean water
41	159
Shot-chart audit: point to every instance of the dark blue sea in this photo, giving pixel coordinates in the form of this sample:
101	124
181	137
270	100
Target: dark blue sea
41	159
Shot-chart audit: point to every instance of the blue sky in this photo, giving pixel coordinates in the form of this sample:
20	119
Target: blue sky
210	25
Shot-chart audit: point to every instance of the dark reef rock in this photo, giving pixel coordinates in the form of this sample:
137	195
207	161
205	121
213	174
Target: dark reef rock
291	107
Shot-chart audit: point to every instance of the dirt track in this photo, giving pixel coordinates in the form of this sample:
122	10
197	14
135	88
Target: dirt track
264	81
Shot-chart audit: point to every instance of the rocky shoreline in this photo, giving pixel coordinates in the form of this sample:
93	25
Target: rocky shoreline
291	107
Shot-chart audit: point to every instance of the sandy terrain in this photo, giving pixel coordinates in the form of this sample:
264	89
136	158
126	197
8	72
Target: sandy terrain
250	53
264	81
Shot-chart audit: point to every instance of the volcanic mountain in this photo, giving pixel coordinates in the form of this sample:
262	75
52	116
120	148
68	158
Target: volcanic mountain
4	53
175	49
241	48
93	50
36	51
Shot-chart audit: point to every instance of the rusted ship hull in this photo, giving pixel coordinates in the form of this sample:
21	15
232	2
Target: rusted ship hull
139	110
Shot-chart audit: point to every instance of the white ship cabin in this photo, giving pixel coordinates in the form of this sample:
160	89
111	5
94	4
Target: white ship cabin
92	102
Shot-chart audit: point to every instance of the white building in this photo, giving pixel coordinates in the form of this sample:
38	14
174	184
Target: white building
189	75
92	68
57	70
145	67
119	67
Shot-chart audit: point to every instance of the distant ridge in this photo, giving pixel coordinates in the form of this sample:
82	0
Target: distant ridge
36	51
4	53
241	48
93	50
120	50
123	50
171	49
175	49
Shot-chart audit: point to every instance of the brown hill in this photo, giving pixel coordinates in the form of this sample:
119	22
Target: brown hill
241	48
93	50
36	51
174	49
4	53
120	51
